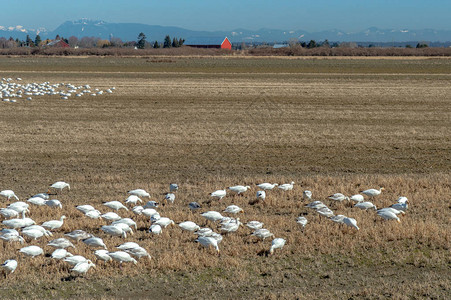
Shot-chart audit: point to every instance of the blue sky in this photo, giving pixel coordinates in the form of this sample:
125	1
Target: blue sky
313	15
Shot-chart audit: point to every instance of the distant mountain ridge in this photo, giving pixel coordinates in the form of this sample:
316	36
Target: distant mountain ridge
130	31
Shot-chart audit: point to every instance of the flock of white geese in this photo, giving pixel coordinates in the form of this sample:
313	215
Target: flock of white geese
18	226
12	90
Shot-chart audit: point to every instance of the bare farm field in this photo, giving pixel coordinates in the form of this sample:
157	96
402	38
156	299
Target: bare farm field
207	123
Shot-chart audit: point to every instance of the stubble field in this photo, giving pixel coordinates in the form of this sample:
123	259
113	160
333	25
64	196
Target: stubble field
329	125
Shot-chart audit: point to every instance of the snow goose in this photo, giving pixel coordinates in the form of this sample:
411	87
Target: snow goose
388	215
33	233
357	198
102	255
149	212
18	223
60	185
365	205
74	260
155	229
37	201
94	214
60	243
116	205
94	242
338	197
53	203
122	256
351	222
194	206
173	187
151	204
402	200
267	186
133	199
19	206
114	230
139	193
8	237
231	226
189	226
54	224
219	194
138	252
233	209
127	221
78	235
127	245
372	192
170	197
212	216
32	251
254	225
286	186
111	216
316	205
9	266
337	219
301	221
60	254
238	189
8	194
126	228
307	194
8	213
208	241
85	208
83	267
277	243
262	233
137	210
325	211
261	195
392	210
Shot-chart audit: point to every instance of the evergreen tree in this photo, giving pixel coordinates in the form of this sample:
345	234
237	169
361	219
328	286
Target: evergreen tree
311	44
141	41
175	43
156	44
167	42
37	40
181	41
29	41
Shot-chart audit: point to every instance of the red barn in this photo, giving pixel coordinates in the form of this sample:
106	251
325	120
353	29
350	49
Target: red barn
209	42
58	44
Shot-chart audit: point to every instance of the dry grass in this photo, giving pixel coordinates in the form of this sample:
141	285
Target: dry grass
211	128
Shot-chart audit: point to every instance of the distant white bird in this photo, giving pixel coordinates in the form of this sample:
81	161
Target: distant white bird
37	201
33	233
277	243
111	216
32	251
54	224
8	237
127	245
114	230
138	252
316	205
116	205
94	242
325	211
173	187
78	235
83	267
60	185
133	199
164	222
338	197
388	215
254	225
392	210
9	213
194	206
139	193
262	233
357	198
9	266
137	210
372	192
400	206
8	194
212	216
219	194
102	255
261	195
94	214
286	186
149	212
122	256
60	254
238	189
233	209
301	221
53	203
189	226
338	219
207	242
267	186
155	229
170	197
402	200
74	260
19	206
127	221
18	223
350	222
230	226
151	204
307	194
61	243
85	208
365	205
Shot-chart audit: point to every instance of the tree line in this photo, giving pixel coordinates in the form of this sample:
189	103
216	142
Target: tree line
93	42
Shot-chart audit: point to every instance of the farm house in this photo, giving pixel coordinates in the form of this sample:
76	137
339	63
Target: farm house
209	42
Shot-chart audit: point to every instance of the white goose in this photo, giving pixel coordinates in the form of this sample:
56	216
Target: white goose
83	267
365	205
208	241
61	243
94	242
139	193
357	198
219	194
388	215
372	192
133	199
277	243
116	205
32	251
8	194
121	256
238	189
9	265
307	194
286	186
233	209
338	197
60	185
189	226
267	186
114	230
351	222
54	224
102	255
